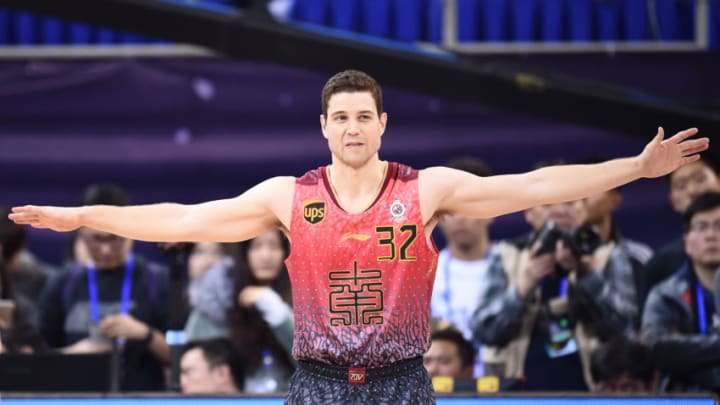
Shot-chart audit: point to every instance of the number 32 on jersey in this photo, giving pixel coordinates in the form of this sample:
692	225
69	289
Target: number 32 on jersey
396	240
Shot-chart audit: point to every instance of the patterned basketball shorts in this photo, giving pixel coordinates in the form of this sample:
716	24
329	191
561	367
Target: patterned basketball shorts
404	382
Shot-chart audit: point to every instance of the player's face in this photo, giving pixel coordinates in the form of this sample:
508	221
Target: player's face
265	256
353	128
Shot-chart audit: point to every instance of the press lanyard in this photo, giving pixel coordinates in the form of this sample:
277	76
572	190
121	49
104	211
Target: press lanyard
126	290
563	286
702	322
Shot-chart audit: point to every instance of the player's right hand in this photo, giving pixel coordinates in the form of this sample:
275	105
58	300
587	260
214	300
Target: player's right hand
59	219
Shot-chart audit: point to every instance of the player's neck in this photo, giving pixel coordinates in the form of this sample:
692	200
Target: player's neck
470	253
357	188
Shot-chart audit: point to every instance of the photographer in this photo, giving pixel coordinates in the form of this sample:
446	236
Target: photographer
559	289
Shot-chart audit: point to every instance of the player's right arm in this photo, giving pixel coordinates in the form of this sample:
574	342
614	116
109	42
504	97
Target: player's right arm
262	207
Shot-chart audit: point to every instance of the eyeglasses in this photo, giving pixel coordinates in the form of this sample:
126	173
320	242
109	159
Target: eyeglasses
704	226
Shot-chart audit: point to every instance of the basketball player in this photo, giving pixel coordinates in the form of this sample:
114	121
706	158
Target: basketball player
362	261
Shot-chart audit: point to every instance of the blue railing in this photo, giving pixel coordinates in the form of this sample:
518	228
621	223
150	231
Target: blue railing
422	20
515	20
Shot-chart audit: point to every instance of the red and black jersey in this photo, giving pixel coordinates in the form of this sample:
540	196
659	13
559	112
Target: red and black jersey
361	282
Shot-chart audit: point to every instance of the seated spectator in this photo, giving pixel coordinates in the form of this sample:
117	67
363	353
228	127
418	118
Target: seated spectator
623	365
685	185
117	301
261	319
211	367
17	333
210	292
449	355
679	313
27	274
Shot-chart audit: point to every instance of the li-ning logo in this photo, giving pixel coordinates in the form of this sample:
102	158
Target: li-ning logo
314	211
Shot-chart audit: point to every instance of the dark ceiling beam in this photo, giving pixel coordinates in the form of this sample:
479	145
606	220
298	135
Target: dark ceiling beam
246	36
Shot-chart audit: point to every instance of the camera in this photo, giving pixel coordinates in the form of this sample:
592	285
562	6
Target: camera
581	241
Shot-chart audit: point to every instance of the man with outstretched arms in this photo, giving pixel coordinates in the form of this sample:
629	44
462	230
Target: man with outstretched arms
362	261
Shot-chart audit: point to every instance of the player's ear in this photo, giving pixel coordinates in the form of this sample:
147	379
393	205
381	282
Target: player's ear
383	122
323	123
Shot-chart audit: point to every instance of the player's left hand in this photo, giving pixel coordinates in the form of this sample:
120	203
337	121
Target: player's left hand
663	156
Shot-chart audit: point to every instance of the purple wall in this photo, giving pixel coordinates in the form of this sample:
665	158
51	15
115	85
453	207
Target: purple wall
192	130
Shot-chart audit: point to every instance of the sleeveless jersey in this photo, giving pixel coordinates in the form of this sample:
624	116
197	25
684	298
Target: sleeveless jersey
361	283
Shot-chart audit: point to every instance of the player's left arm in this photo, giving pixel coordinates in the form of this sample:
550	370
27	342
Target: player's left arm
445	190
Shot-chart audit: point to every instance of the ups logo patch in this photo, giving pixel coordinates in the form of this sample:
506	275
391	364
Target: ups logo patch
314	211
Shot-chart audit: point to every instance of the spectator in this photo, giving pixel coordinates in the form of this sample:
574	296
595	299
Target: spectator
685	184
118	300
211	367
210	291
597	211
262	318
623	365
559	291
679	313
27	274
450	354
17	333
462	265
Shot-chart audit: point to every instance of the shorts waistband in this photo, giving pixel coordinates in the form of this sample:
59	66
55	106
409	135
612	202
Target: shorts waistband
361	375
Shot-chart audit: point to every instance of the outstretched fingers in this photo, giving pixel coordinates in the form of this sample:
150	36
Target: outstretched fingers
683	135
695	146
26	215
690	159
24	219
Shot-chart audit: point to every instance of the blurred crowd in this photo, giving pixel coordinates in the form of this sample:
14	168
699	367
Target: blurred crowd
572	305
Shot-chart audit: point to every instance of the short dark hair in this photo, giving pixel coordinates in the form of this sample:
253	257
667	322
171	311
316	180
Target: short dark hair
471	165
12	236
351	81
465	348
704	202
105	194
621	356
218	352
